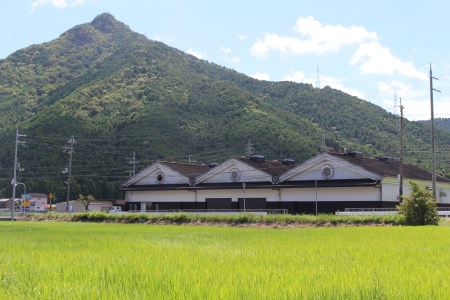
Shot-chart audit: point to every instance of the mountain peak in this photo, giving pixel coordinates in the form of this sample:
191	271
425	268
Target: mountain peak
106	23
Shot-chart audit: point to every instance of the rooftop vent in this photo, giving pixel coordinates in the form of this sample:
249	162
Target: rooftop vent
288	161
387	159
355	154
212	165
258	158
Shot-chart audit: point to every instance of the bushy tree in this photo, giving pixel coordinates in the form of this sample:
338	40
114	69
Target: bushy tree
86	200
419	208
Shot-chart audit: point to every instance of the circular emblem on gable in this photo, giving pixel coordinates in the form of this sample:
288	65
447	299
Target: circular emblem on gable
235	175
275	179
327	172
159	177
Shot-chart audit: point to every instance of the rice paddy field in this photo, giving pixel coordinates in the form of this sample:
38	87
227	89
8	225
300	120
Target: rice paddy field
56	260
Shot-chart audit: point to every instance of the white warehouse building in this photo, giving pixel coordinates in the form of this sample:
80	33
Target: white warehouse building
329	181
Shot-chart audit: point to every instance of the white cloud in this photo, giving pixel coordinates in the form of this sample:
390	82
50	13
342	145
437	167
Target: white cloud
229	57
419	109
261	76
415	100
195	53
376	59
57	3
225	50
314	38
335	83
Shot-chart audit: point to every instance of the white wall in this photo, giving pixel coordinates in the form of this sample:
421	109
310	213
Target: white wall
269	194
333	194
390	190
160	196
288	195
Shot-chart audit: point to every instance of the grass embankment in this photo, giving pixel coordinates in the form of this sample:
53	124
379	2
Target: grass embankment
55	260
240	219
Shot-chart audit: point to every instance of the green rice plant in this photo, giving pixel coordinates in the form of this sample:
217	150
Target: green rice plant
80	260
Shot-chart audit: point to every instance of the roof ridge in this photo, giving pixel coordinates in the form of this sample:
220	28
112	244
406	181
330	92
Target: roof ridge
182	163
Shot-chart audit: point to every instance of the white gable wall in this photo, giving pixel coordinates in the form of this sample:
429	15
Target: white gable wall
313	169
223	173
170	176
315	173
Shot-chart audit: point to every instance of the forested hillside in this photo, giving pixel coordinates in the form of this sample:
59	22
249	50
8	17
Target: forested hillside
441	123
117	92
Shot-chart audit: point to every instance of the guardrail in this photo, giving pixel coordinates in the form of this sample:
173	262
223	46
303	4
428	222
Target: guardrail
442	211
216	211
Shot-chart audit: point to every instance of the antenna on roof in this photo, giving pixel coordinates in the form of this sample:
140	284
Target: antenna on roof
249	148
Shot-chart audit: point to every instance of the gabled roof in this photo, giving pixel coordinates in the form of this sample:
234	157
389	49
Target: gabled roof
186	169
248	170
38	195
339	169
271	167
388	167
181	172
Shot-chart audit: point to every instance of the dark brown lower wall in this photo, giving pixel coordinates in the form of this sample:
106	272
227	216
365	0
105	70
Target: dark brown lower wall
292	207
258	203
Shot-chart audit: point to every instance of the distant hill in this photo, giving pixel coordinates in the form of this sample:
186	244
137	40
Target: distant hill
117	92
441	123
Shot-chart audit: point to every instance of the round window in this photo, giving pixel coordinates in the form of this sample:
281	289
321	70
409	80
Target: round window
235	175
160	177
327	172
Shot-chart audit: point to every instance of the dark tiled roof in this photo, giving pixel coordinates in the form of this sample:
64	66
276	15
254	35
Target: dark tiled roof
188	170
389	168
38	195
272	167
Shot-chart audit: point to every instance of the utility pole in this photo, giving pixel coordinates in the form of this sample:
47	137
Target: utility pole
133	162
14	181
400	175
433	139
71	151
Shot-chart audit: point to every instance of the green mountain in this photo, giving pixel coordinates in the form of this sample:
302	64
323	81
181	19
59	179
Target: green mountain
117	92
441	123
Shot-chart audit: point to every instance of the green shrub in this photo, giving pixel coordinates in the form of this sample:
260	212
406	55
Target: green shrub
178	218
90	216
419	208
237	219
243	218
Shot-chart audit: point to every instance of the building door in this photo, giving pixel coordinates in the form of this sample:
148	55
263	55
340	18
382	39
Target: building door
218	203
252	203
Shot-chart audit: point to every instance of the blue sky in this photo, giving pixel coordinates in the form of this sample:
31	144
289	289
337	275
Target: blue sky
376	50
